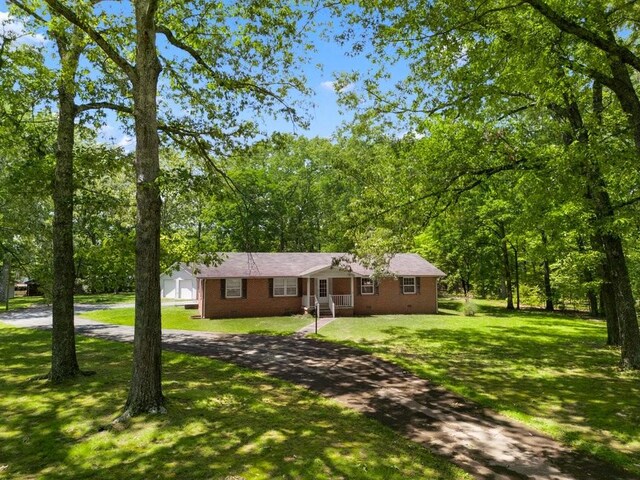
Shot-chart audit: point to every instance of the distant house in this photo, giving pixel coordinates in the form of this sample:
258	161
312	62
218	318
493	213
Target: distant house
271	284
179	284
26	288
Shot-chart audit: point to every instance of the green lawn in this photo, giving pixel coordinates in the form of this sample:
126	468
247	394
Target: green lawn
16	303
180	318
222	422
97	298
105	298
552	372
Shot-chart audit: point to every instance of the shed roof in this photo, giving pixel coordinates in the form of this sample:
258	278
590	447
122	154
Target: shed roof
256	265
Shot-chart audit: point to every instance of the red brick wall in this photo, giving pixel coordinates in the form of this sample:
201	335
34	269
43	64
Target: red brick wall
390	299
342	286
257	304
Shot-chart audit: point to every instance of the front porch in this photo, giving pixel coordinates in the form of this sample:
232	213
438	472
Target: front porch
330	294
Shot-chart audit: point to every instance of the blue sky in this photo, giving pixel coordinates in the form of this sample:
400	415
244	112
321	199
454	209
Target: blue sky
324	115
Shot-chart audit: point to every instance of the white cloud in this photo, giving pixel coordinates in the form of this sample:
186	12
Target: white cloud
328	85
126	142
331	86
13	28
106	130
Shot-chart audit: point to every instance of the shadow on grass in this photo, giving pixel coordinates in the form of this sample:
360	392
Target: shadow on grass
546	369
360	381
454	305
223	421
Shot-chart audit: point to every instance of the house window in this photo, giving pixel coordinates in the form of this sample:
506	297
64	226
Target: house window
233	288
285	287
367	286
408	285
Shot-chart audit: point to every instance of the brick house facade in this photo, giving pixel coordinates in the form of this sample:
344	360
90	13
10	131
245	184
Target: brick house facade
275	284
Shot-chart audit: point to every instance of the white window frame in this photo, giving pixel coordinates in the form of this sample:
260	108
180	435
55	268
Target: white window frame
285	287
409	288
233	288
370	286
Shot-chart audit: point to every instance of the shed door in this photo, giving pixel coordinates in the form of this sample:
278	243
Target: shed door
186	289
169	288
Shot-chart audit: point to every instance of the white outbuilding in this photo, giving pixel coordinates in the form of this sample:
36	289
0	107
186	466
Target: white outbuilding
179	284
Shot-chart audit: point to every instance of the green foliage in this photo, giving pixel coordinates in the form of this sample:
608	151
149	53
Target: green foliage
470	308
104	218
280	194
491	156
531	295
26	163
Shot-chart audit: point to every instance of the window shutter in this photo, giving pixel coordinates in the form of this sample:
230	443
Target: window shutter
223	288
270	284
359	286
418	285
376	287
300	287
401	281
244	288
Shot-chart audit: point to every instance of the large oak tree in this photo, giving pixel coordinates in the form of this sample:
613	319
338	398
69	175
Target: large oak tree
220	64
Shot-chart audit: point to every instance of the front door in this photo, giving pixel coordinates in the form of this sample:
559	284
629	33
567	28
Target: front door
323	290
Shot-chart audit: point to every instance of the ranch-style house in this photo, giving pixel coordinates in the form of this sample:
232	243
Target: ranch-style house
274	284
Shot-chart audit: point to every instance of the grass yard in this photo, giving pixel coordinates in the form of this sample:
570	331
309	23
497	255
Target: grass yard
179	318
550	371
105	298
87	299
223	422
16	303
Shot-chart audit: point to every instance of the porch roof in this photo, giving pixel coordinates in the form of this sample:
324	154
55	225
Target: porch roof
269	265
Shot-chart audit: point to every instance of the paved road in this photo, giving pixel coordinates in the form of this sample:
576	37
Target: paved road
486	444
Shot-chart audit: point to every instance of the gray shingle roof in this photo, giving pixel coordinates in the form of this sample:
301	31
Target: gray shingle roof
253	265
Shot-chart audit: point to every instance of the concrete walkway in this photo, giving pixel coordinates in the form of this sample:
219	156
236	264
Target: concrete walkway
311	328
482	442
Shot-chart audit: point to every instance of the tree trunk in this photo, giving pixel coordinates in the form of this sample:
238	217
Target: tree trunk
515	256
625	305
624	90
64	363
145	394
615	267
4	281
611	315
592	298
616	264
506	266
548	292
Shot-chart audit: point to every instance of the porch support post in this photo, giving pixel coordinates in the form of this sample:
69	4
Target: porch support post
308	291
203	290
352	305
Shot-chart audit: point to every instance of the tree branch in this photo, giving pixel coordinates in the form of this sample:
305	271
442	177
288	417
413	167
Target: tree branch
481	175
219	77
567	25
62	10
104	105
27	10
627	203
